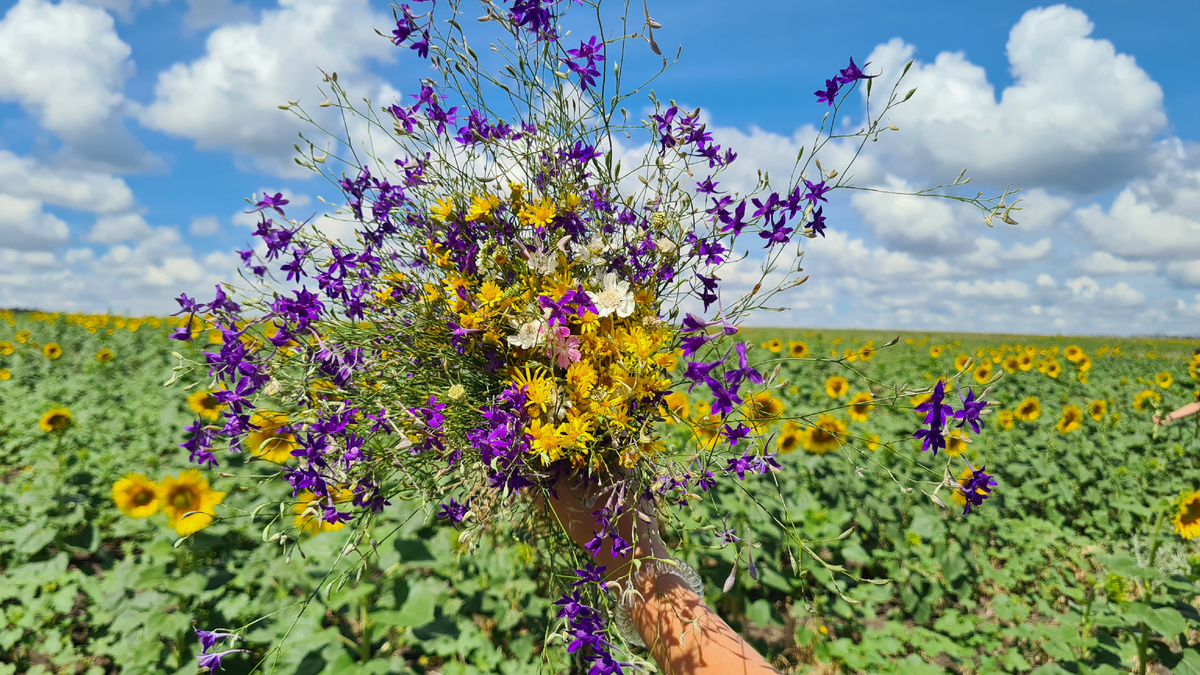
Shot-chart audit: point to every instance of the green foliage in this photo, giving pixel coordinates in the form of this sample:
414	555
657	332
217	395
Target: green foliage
1046	577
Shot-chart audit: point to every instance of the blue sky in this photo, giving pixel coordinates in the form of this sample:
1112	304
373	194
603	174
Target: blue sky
131	132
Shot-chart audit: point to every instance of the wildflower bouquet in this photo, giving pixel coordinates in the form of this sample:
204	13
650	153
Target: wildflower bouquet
512	297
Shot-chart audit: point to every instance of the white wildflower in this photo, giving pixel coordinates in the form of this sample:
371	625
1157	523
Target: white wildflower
529	334
665	245
614	296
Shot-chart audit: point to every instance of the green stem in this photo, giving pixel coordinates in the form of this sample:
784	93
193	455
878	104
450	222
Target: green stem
364	618
1143	647
1144	640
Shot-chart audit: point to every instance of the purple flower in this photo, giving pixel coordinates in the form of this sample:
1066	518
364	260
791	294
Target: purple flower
213	661
829	94
971	411
590	574
818	221
454	512
272	202
977	488
936	411
210	638
816	191
853	72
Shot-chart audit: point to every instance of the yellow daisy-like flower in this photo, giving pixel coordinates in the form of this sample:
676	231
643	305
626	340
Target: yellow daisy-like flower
310	511
6	348
270	441
538	213
105	355
188	493
797	350
762	409
23	336
936	351
860	406
983	373
1164	380
1097	409
837	386
52	350
956	443
55	420
5	374
1072	418
443	208
136	496
1073	353
1028	410
204	404
1005	418
824	436
789	441
1011	364
1139	401
775	345
483	207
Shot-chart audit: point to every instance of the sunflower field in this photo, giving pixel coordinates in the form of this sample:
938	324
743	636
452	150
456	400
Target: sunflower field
1082	560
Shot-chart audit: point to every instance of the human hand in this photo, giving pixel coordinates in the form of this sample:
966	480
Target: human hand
1162	422
637	524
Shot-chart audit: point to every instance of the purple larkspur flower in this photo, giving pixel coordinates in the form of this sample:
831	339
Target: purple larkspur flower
971	412
453	511
275	201
977	488
213	661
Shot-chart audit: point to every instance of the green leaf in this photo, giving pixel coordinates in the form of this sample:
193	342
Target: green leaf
1166	621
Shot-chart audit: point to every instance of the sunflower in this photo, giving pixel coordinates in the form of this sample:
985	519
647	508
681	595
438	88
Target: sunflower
823	437
860	406
789	440
797	350
105	355
935	351
675	402
136	496
961	361
1187	521
1074	353
1097	409
873	442
1028	410
55	420
963	479
310	511
1072	417
984	372
1011	364
1084	364
1053	369
775	345
204	404
1082	377
1025	362
1139	401
956	443
1164	380
867	353
762	409
1005	418
836	386
271	442
23	336
6	348
188	493
52	350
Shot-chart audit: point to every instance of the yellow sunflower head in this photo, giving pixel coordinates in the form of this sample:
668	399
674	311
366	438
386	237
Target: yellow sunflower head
1164	380
1028	410
6	348
676	403
136	496
1097	409
935	351
1025	362
188	501
836	386
1187	520
55	420
1005	418
23	336
1053	369
1011	364
823	437
1139	401
873	442
797	350
1072	418
270	442
310	511
956	443
204	404
789	441
961	361
1073	353
105	355
775	345
860	406
984	372
52	350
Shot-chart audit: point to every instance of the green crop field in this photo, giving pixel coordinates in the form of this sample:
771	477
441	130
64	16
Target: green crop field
1074	565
